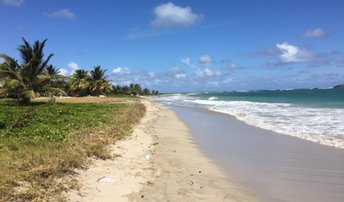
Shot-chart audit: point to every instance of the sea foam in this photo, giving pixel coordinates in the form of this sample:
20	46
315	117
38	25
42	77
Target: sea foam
321	125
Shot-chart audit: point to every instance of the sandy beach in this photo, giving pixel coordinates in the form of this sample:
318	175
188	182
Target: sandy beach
275	167
159	162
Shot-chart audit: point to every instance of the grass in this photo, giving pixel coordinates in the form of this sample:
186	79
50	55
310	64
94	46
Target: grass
41	145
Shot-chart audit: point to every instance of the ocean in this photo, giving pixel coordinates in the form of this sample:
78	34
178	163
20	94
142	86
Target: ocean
316	115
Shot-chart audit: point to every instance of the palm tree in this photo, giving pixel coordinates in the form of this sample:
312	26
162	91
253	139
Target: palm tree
136	90
56	80
12	81
53	71
27	80
146	91
126	90
99	83
80	80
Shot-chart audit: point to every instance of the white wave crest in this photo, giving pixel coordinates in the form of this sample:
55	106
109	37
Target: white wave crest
322	125
213	98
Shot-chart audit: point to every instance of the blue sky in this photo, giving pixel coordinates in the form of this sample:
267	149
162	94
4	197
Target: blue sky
198	45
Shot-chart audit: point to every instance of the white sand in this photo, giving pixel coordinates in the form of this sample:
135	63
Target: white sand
176	171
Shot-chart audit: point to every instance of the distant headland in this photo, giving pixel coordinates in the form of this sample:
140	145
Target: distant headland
339	86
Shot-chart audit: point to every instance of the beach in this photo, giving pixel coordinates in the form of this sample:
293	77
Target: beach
275	167
183	153
159	162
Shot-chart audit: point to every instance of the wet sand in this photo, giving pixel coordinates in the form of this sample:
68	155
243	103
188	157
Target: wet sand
272	166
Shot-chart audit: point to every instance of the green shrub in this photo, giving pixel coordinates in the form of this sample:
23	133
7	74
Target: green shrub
52	122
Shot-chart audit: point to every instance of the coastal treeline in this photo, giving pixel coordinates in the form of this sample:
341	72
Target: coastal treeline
40	143
34	76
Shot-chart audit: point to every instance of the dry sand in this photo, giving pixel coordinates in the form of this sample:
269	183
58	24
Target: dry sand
176	171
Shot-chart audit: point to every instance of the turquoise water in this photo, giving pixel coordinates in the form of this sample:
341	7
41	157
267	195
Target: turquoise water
313	114
324	98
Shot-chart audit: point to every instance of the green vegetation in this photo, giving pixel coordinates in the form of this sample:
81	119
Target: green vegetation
35	77
43	140
51	122
29	79
42	143
93	83
132	89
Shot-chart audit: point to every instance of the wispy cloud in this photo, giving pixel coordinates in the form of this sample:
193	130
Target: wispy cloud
186	61
205	59
73	66
13	2
314	33
232	67
340	62
63	72
286	55
125	76
121	70
207	72
63	13
171	15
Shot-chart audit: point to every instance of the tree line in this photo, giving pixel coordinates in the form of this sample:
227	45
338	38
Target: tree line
35	77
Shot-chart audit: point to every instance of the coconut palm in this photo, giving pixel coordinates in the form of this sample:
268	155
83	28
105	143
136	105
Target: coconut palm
126	90
137	89
146	91
98	82
52	71
12	82
80	80
56	80
29	79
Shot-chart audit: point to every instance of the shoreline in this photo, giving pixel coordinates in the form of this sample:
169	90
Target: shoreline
273	166
174	170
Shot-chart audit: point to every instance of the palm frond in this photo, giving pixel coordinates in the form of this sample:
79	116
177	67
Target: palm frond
13	84
55	90
29	93
25	51
45	63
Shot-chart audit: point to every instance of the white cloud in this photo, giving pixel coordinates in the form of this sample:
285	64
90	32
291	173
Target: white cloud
314	33
186	61
180	76
207	73
227	80
175	72
171	15
74	66
63	72
205	59
151	74
121	70
63	13
218	73
213	83
13	2
290	53
199	73
124	83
